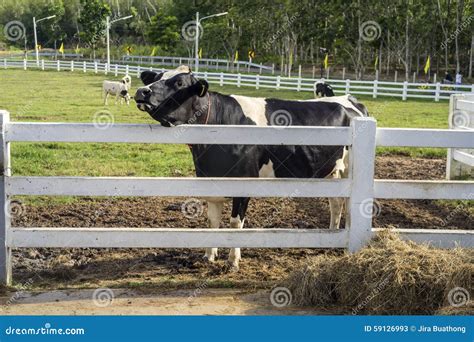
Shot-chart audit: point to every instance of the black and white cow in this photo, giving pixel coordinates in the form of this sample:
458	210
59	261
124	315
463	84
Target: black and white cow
177	97
322	89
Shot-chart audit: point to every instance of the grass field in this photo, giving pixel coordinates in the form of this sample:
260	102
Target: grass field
76	97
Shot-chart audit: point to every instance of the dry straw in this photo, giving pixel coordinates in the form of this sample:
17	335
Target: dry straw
389	276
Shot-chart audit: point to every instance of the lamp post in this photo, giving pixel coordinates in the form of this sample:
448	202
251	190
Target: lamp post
35	22
109	24
198	22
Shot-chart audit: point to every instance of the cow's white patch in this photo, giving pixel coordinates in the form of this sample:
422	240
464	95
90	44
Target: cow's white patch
183	69
267	171
253	108
342	100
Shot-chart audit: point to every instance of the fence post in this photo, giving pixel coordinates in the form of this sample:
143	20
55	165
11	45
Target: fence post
126	69
138	71
24	64
396	76
4	63
361	171
238	80
84	66
348	86
58	66
343	72
95	67
106	68
260	67
5	251
273	68
434	77
42	64
257	81
205	75
314	72
116	70
221	79
437	91
405	89
278	82
72	65
374	94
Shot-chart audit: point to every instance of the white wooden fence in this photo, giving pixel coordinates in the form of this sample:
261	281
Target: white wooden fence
403	90
460	162
359	189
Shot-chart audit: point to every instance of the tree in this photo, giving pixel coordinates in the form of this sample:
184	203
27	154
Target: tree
163	30
92	20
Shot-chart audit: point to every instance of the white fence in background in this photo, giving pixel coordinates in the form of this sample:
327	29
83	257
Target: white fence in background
460	162
403	90
208	63
359	189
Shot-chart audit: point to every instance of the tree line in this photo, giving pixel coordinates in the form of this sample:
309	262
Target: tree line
360	35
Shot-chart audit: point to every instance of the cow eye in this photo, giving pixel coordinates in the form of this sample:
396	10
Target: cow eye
179	83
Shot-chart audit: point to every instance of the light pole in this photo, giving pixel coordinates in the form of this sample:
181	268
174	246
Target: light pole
35	22
198	22
109	24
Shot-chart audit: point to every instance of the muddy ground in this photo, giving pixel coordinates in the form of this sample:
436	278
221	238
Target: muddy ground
183	268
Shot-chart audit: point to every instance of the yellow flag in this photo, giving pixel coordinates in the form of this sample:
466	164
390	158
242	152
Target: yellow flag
326	61
236	59
376	61
200	53
153	51
427	65
129	50
38	46
61	48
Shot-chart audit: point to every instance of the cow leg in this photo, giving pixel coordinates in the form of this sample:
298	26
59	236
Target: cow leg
214	214
106	94
239	208
336	204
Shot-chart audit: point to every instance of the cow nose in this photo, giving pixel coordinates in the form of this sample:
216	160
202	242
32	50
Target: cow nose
142	93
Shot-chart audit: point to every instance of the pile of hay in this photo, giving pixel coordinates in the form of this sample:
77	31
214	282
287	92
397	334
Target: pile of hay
389	276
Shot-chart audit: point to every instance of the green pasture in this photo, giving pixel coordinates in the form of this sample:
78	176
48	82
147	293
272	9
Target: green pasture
51	96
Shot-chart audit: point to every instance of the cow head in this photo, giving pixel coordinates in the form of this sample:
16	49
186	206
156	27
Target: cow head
170	97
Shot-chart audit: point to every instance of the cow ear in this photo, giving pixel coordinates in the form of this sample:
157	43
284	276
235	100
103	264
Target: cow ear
201	88
148	77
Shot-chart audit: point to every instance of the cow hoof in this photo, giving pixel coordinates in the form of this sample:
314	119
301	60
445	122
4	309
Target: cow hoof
232	267
209	259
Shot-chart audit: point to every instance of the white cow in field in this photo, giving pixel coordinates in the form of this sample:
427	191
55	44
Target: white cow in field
118	88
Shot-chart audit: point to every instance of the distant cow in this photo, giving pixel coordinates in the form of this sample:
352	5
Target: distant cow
118	88
176	97
322	89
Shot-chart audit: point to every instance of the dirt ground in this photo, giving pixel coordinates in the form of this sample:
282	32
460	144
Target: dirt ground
183	269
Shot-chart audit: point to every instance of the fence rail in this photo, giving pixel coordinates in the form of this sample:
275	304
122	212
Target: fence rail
403	90
359	188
